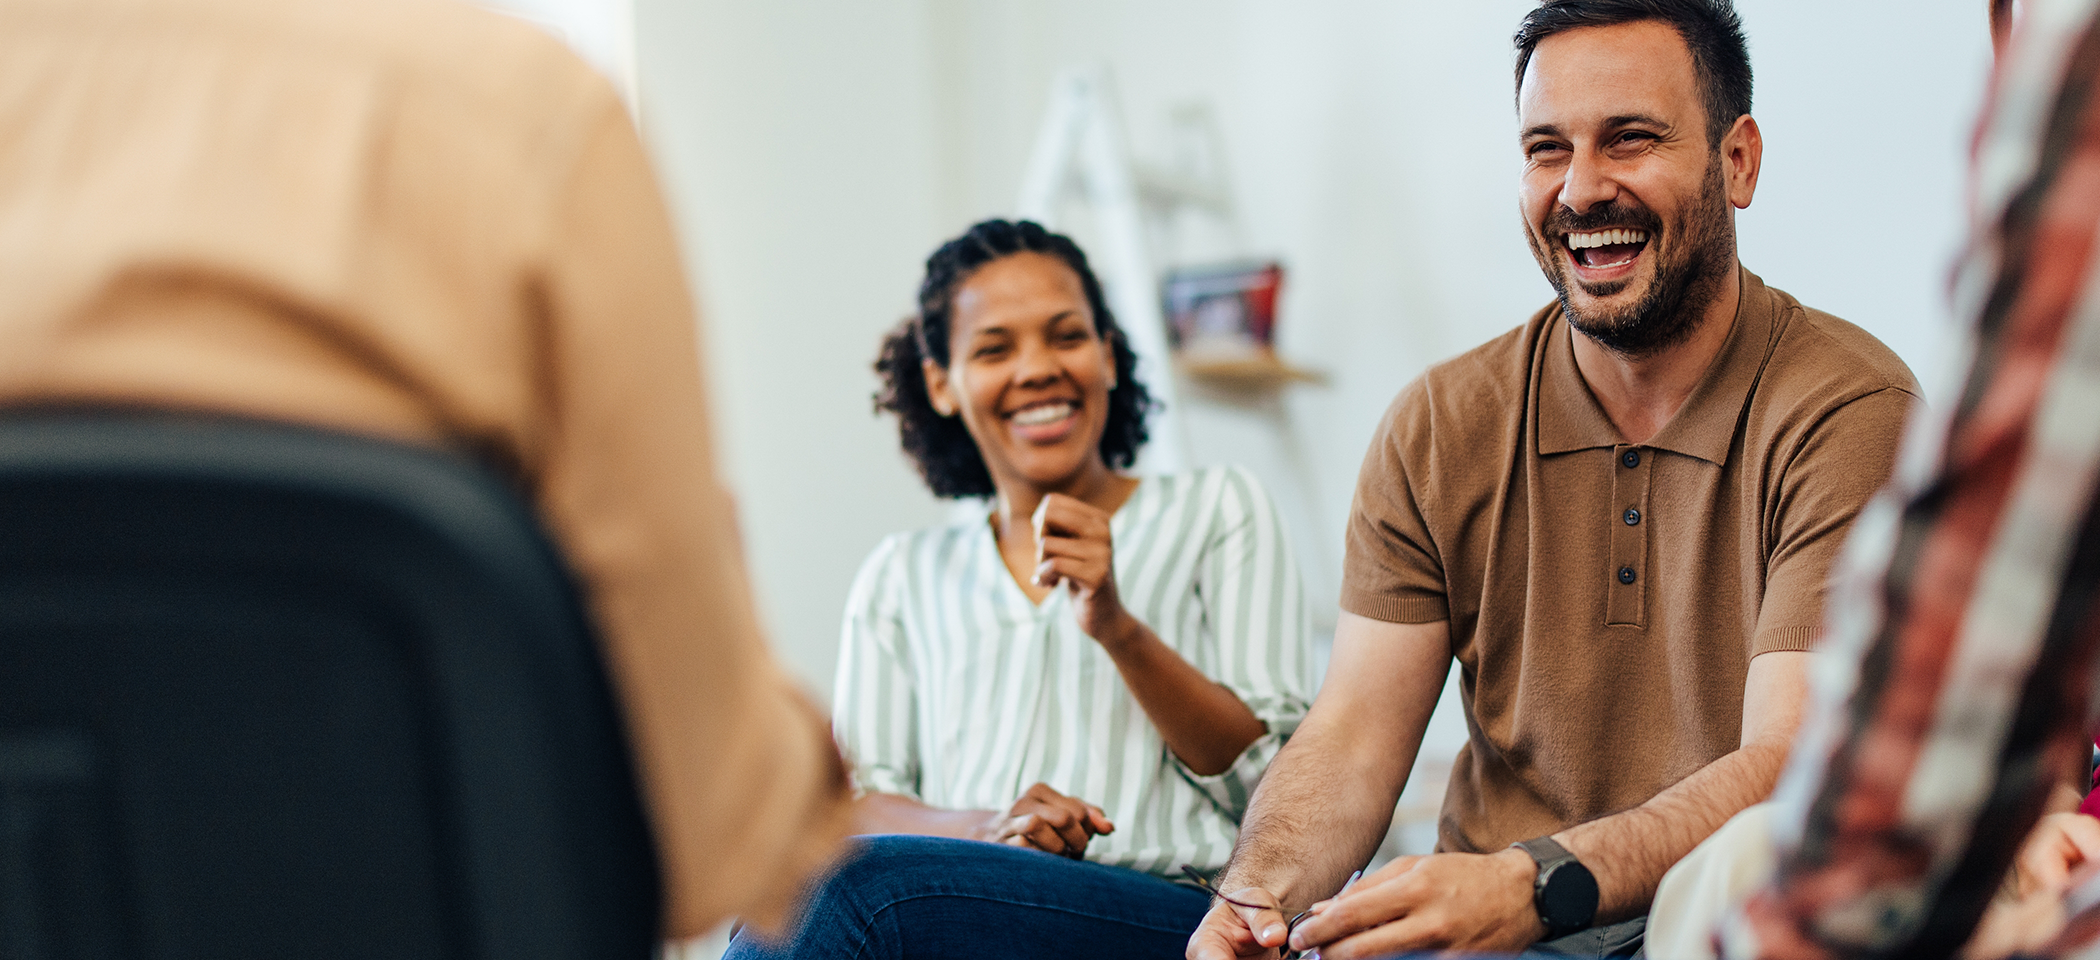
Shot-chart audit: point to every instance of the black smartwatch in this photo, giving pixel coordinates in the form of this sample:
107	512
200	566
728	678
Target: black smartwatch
1565	893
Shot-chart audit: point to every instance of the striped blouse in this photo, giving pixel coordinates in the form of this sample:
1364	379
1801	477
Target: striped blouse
956	689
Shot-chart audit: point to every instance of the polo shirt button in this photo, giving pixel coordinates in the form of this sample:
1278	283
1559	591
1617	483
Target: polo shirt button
1625	574
1633	516
1631	459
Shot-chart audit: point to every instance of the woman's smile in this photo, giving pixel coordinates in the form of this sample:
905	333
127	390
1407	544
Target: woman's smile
1045	422
1029	373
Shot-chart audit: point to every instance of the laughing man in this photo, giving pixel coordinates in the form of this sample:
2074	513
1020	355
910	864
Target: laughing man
1617	518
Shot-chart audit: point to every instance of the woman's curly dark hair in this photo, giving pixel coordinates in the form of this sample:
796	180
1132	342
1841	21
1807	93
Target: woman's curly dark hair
941	446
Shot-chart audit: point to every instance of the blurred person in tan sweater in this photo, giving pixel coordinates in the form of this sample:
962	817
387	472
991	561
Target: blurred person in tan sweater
421	221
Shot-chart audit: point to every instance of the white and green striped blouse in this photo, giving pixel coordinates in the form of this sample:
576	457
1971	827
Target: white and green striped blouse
956	689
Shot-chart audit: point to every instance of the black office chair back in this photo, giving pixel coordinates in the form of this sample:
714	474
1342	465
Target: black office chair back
272	692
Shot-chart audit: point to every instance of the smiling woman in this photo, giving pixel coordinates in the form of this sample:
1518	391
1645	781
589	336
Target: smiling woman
1098	668
941	445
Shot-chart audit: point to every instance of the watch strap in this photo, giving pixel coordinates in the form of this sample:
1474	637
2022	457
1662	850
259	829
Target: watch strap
1557	867
1546	851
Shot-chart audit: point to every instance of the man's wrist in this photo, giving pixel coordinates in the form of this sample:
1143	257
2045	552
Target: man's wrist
1231	880
1518	864
1522	873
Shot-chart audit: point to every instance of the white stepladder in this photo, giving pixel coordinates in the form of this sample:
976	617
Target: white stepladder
1082	156
1081	145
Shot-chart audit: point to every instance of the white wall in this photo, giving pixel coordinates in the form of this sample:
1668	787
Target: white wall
798	143
815	152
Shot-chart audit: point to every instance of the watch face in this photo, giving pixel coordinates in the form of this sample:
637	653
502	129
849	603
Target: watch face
1568	897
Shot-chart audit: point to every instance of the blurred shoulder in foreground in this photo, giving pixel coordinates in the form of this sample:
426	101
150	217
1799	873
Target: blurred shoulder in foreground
422	221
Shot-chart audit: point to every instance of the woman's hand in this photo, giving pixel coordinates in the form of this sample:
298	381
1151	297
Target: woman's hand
1204	723
2058	847
1072	546
1048	821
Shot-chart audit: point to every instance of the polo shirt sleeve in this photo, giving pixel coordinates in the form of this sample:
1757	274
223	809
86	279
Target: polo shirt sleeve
1840	463
1391	570
874	714
1255	604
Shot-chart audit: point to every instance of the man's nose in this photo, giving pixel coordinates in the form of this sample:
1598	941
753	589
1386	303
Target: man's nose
1588	183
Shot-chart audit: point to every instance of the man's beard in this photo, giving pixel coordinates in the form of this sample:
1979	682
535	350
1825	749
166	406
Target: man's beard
1684	286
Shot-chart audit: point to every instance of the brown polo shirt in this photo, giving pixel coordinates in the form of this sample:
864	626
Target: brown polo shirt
1605	598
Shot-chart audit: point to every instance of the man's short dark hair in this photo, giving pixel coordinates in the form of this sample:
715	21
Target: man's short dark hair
1710	28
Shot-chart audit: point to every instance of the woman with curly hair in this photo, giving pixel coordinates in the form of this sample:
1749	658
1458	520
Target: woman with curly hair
1052	706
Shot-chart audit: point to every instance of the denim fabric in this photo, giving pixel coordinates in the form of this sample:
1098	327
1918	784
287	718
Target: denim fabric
932	898
1622	939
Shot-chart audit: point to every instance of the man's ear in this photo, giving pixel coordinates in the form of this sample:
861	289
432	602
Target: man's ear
1742	157
938	391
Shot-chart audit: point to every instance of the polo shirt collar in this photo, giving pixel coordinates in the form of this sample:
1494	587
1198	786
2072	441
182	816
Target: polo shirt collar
1570	418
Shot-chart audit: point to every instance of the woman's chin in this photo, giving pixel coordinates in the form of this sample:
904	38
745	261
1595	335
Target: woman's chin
1052	469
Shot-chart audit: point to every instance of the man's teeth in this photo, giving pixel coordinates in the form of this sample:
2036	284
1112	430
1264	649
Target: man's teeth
1605	238
1047	413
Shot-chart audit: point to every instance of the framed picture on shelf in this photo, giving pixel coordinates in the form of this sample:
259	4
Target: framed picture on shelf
1223	311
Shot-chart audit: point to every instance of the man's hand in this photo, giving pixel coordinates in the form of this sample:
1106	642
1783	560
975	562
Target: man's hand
1461	901
1048	821
1327	799
1230	931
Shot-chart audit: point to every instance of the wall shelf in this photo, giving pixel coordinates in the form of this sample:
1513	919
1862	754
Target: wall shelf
1245	374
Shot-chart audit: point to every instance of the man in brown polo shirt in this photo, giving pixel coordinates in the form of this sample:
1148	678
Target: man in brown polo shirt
1618	520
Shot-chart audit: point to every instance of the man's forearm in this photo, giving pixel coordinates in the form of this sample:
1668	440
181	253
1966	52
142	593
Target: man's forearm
1328	797
1629	852
1319	813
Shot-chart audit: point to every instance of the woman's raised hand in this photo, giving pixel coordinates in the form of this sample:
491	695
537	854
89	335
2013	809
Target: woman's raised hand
1049	821
1072	546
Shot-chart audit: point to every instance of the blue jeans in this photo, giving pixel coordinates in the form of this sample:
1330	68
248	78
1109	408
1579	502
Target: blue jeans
935	898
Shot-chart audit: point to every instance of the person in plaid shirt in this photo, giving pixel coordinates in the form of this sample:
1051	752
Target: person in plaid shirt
1954	695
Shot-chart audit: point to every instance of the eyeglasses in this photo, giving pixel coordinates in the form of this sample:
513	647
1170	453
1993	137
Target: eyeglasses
1288	925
